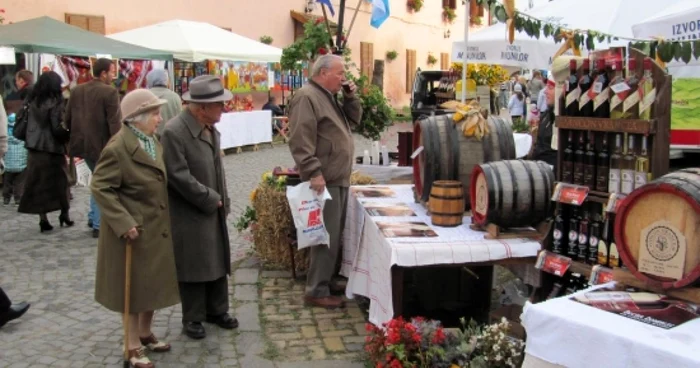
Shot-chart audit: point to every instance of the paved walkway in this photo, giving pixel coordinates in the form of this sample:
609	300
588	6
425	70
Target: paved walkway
65	327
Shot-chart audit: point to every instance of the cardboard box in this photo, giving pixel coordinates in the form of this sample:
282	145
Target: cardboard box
512	314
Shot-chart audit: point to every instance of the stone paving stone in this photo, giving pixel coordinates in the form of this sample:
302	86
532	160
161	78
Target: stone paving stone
246	276
246	293
283	274
248	317
333	344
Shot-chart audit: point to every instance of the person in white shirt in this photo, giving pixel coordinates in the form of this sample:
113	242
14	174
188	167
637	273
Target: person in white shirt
516	105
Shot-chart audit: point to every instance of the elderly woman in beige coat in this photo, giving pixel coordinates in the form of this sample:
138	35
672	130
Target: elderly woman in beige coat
130	187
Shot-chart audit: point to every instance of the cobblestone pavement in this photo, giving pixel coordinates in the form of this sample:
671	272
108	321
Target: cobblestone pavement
65	327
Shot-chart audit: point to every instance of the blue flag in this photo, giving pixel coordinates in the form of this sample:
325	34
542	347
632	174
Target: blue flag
380	12
329	5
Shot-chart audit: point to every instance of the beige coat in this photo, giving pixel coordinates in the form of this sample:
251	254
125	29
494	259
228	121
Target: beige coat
321	139
131	190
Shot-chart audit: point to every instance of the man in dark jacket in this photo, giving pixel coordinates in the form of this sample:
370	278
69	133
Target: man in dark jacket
323	148
24	81
199	204
93	117
543	146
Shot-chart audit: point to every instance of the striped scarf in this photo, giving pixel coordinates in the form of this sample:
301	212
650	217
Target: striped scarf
147	143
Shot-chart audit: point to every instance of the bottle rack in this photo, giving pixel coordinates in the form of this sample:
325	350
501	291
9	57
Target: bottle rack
657	131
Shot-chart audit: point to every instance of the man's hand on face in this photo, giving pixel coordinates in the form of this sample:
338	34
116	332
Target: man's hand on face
318	184
351	87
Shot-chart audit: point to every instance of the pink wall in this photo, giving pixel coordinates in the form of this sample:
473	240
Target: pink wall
422	31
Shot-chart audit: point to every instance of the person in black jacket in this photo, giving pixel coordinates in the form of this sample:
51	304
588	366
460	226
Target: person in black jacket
46	180
543	148
24	81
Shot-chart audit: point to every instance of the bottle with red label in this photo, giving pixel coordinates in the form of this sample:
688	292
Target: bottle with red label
573	92
585	103
600	92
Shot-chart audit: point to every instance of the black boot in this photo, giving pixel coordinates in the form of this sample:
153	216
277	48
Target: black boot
44	225
64	219
15	311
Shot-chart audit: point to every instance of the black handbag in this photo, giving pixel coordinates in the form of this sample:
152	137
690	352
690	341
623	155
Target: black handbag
21	122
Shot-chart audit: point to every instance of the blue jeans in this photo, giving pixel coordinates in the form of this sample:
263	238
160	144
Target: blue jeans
94	213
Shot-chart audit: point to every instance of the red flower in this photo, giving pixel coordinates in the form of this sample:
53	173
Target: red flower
395	364
380	365
319	20
322	50
393	337
417	338
439	336
369	327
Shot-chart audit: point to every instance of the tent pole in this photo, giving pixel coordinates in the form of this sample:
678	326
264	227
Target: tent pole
352	22
328	25
339	36
466	48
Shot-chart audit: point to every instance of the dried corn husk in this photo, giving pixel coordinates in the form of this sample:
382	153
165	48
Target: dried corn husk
475	124
357	178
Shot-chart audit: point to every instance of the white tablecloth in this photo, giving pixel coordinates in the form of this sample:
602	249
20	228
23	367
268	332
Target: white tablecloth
571	334
244	128
368	255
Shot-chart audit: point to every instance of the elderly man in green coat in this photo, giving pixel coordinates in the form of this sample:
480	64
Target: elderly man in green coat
199	204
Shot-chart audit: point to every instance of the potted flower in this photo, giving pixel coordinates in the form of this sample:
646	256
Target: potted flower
431	59
448	15
391	55
266	40
414	5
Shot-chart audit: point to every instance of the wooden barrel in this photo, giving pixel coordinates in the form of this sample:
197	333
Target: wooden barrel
438	159
513	193
659	219
446	203
496	146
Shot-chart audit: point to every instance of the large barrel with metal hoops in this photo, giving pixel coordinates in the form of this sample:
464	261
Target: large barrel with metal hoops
448	155
512	193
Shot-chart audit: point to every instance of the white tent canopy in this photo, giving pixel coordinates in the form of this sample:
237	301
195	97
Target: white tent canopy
490	45
195	42
678	22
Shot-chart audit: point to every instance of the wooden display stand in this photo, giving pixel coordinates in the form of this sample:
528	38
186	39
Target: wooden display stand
625	279
657	131
494	231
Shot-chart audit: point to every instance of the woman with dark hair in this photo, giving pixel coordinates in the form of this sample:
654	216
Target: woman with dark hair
46	181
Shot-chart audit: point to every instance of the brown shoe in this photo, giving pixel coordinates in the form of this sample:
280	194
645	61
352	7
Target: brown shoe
138	358
152	344
328	302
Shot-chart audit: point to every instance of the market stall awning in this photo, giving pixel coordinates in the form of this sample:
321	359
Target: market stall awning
50	36
614	17
196	41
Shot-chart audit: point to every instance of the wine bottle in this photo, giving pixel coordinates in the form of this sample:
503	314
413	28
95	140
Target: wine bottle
600	92
619	90
558	238
630	106
585	103
589	174
594	239
627	169
578	159
615	166
573	234
642	174
567	170
613	254
648	92
603	166
572	91
583	229
603	247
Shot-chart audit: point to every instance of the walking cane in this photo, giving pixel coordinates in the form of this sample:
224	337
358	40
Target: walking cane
127	302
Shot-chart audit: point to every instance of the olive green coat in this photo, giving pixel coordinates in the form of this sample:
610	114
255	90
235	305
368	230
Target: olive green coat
131	189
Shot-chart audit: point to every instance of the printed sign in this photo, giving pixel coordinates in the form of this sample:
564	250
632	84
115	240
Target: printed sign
662	250
552	263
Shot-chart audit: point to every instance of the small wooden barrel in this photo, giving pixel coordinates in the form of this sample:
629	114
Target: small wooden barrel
439	158
498	145
660	219
446	203
512	193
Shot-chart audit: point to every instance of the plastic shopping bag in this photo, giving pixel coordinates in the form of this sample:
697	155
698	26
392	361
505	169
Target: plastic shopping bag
307	209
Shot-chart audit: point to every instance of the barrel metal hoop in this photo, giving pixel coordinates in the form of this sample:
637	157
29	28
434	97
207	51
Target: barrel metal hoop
498	180
446	214
532	184
454	139
428	173
445	197
513	205
544	171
